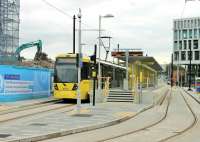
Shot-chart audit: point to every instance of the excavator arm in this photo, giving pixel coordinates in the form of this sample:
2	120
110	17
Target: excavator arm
37	44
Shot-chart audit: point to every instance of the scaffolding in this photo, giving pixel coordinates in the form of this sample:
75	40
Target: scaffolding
9	28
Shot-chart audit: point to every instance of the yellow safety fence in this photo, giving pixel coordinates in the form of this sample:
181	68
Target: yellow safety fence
106	85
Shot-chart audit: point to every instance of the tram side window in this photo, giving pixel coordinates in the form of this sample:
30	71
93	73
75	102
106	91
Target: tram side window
85	71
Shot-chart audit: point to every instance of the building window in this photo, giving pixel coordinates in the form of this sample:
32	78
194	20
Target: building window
199	33
178	24
195	22
190	33
189	55
183	57
179	34
175	45
195	44
184	34
192	23
185	44
185	23
174	25
175	35
196	55
180	44
195	33
176	55
189	44
198	22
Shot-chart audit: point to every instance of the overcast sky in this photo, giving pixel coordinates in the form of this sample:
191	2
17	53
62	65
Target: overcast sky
145	24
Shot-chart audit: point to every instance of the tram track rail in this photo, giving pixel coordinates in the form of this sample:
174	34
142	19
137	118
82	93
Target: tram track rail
195	118
19	114
192	96
30	106
194	121
160	102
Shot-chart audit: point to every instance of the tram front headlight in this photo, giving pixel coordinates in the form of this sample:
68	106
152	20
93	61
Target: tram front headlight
75	87
56	87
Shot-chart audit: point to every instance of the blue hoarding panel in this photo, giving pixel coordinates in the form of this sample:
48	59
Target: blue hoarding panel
197	85
19	83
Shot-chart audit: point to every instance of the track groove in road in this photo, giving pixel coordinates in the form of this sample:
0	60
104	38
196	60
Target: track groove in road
30	106
151	125
18	114
161	111
195	119
176	133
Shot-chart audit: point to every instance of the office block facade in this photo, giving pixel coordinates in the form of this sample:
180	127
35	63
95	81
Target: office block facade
186	36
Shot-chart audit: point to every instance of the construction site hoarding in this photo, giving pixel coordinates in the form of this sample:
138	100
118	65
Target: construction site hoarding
20	83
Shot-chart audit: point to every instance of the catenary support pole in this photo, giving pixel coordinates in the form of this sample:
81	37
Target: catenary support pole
190	67
99	64
74	34
94	78
118	52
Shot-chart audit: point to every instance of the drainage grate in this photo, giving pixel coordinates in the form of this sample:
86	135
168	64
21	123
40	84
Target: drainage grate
38	124
4	135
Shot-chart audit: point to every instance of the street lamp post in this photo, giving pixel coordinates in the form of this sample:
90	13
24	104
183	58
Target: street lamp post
172	64
99	65
177	75
190	79
79	63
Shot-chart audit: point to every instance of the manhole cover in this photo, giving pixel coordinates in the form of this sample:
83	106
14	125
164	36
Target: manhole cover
4	135
38	124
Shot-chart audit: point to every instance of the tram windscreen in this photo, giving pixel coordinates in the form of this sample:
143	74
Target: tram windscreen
66	71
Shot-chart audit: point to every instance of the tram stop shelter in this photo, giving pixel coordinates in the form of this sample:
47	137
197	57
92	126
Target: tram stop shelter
143	71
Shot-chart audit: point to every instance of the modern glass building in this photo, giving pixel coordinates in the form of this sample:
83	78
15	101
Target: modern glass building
9	27
186	35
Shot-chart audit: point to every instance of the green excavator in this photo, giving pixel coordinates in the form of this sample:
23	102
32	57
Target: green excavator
37	44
